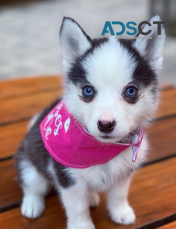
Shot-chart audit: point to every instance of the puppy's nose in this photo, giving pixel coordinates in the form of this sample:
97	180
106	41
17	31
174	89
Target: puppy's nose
106	126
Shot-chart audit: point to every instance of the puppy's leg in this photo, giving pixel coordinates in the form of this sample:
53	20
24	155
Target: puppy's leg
35	187
76	202
120	210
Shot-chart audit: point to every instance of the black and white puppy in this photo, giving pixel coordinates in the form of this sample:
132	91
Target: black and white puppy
123	80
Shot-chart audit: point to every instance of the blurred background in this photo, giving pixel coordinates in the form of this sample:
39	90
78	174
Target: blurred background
29	42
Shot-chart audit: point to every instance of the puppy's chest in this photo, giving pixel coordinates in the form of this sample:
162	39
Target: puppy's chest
99	177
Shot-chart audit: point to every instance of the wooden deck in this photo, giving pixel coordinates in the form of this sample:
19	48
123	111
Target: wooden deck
153	189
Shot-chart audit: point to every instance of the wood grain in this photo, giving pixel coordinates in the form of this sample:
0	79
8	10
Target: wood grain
167	105
10	191
162	139
11	136
20	87
169	226
24	107
147	195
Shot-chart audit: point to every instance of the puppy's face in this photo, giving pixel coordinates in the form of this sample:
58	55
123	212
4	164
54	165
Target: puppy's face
111	85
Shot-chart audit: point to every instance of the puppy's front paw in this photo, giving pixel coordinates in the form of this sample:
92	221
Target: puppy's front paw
123	214
32	206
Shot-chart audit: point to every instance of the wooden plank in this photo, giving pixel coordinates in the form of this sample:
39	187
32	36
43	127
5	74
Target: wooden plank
169	226
10	191
25	107
167	106
11	136
20	87
52	218
162	139
147	195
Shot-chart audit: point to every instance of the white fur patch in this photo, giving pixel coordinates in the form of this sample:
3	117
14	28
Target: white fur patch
32	206
35	187
109	63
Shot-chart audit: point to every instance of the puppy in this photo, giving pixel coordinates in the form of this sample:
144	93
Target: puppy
111	92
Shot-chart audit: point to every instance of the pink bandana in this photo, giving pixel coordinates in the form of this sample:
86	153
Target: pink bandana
70	145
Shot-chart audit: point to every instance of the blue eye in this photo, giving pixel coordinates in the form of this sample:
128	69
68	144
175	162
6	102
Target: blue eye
88	91
131	91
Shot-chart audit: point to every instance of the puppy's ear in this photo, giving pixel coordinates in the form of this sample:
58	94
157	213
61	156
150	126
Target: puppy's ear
73	40
151	49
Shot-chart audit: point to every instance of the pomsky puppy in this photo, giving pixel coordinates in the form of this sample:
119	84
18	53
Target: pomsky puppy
111	90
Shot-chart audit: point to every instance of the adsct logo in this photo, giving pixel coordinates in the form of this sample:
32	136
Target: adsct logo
130	28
